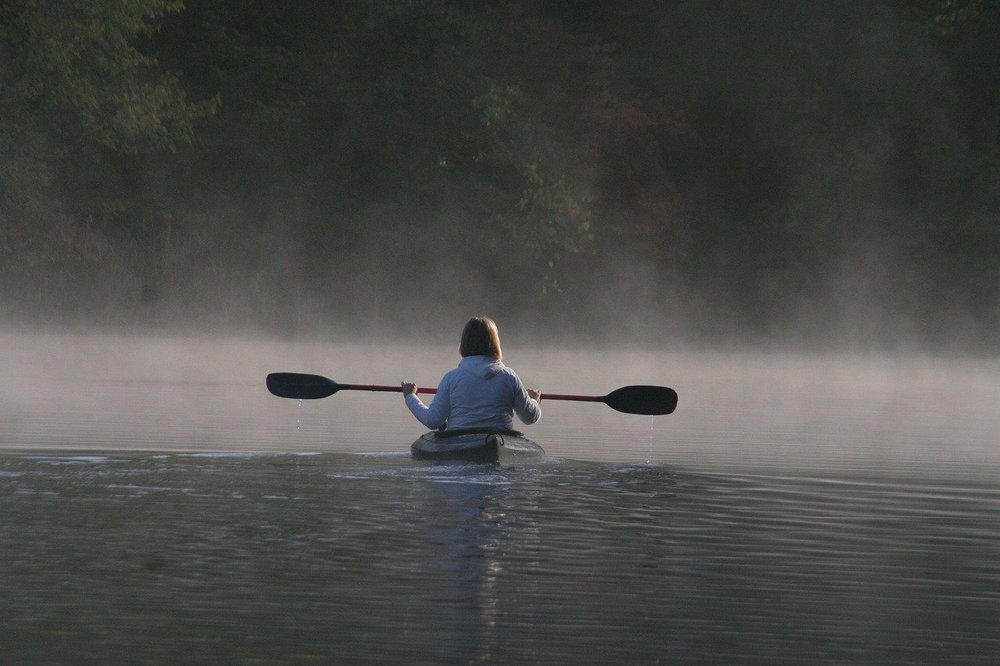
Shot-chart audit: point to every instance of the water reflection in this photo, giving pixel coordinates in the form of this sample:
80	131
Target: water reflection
177	557
469	547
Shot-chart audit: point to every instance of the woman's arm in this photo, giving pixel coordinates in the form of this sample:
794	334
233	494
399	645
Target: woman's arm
434	416
526	402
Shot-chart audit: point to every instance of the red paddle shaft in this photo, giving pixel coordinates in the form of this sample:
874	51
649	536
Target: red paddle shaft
384	389
432	391
580	398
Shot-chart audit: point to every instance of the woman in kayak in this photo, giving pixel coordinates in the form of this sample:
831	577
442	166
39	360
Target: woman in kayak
481	392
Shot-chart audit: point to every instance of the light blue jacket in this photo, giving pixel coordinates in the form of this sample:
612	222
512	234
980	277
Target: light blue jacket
480	393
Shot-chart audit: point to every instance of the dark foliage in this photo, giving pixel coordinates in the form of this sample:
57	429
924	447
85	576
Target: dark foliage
750	170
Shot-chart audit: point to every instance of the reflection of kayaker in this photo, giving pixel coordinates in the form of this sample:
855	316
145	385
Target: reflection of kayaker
481	393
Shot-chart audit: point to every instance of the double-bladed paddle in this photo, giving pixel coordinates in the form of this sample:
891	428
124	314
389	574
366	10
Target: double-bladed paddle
651	400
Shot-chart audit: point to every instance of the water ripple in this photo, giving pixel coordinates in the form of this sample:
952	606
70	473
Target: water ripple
272	556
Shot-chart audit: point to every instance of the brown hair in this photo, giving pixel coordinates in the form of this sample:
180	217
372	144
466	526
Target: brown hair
480	338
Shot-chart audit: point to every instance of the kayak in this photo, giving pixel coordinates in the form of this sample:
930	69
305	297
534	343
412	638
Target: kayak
496	446
488	446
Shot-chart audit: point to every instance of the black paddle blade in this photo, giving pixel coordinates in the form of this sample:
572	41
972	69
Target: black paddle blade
652	400
303	387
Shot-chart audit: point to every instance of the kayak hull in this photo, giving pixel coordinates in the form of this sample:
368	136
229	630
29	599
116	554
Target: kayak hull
483	446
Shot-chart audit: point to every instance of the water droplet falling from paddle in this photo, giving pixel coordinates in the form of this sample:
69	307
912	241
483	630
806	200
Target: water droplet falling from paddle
649	455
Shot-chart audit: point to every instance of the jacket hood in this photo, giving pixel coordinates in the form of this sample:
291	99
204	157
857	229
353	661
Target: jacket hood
484	367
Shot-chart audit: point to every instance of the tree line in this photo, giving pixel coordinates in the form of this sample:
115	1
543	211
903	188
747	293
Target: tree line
750	168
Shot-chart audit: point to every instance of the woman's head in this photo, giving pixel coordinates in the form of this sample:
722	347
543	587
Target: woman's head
480	338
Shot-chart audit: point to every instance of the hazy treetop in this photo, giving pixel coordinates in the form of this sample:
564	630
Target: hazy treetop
678	170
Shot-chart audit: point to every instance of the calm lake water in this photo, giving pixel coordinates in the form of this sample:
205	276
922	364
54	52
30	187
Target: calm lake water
158	506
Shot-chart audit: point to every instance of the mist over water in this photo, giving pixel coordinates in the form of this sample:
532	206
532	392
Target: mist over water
808	412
